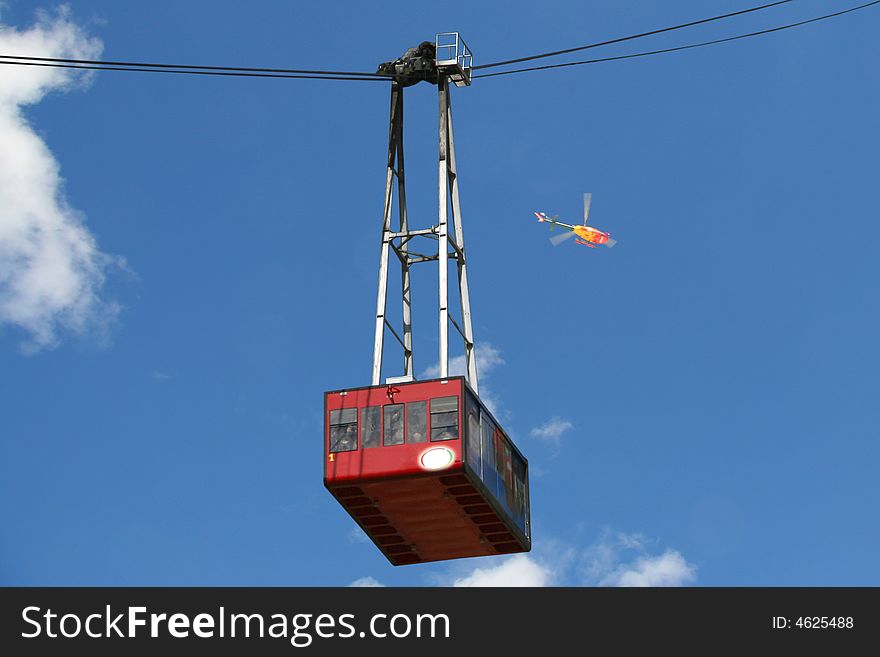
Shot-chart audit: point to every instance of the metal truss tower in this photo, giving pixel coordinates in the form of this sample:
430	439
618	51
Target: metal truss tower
447	60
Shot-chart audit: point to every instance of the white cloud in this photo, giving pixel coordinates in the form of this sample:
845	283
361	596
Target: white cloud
551	431
619	559
518	570
668	569
366	582
491	401
357	535
615	559
488	358
51	270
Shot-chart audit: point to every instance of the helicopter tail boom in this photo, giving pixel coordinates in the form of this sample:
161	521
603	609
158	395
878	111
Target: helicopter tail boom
543	218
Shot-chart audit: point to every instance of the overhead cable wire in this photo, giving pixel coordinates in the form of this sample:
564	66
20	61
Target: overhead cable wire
685	47
223	73
635	36
230	71
271	72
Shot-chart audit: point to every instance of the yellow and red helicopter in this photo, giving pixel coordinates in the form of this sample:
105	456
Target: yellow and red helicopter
586	235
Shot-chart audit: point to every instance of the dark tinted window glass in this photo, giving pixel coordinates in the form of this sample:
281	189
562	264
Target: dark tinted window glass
417	422
488	429
520	493
371	431
444	418
444	404
344	416
473	440
498	456
498	440
343	430
508	476
394	424
489	475
444	433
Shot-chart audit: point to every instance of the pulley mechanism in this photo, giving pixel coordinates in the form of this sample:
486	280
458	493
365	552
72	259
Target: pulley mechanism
448	55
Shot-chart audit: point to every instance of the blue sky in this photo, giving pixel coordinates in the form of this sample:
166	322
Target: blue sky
698	405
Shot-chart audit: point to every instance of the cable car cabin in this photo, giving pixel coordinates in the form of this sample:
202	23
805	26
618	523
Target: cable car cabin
426	471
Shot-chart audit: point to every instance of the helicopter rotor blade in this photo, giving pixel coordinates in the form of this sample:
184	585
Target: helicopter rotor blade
559	239
588	199
610	243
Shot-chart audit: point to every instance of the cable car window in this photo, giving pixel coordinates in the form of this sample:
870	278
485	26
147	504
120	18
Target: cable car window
444	418
473	442
489	476
343	430
498	440
417	422
473	433
393	424
519	491
444	404
371	430
508	477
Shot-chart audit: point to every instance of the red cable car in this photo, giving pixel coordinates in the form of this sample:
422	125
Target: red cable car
426	471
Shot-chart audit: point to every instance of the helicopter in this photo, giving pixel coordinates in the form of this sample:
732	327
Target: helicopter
586	235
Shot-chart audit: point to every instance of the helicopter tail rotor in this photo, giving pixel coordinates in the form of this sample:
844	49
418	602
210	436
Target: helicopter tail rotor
543	218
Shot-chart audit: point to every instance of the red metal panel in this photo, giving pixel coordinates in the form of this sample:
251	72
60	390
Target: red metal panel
387	460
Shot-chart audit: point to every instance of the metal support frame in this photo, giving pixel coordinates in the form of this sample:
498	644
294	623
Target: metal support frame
398	242
394	170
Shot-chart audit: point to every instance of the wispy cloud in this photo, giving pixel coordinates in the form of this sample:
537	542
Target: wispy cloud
357	535
668	569
615	559
365	582
619	559
51	269
551	431
518	570
488	359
